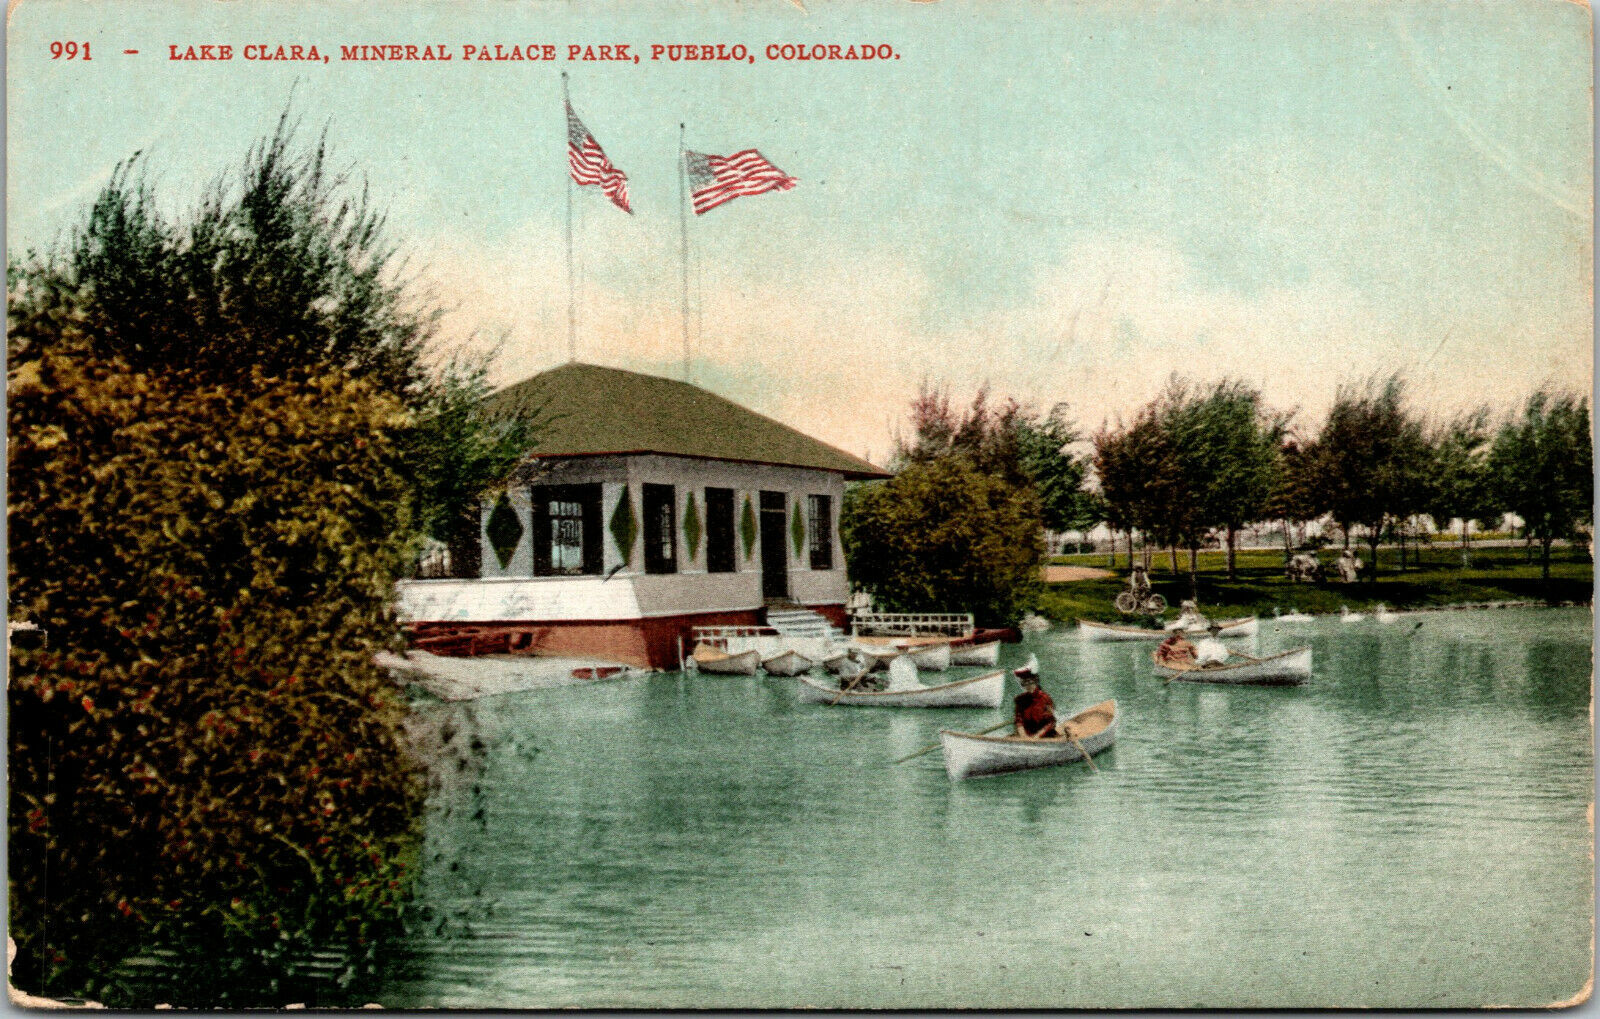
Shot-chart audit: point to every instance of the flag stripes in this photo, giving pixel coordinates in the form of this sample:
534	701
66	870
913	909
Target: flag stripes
714	180
590	165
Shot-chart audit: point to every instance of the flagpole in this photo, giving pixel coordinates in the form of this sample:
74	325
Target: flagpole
683	223
572	287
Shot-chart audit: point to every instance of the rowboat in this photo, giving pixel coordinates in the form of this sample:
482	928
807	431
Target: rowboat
1245	627
787	663
971	756
841	664
985	691
709	659
877	656
1288	668
976	654
933	657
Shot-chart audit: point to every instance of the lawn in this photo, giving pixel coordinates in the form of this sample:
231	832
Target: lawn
1496	575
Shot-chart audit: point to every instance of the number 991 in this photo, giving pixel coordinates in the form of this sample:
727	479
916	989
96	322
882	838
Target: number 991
69	51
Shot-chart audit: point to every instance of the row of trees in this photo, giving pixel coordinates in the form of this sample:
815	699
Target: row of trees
1196	462
225	444
960	526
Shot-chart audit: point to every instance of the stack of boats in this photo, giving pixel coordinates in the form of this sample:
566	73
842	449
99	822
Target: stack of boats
932	642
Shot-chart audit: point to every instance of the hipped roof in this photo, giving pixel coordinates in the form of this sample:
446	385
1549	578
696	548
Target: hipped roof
587	410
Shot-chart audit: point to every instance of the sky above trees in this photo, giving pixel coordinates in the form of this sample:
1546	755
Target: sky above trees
1071	203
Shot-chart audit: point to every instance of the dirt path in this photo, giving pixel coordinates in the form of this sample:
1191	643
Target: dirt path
1064	574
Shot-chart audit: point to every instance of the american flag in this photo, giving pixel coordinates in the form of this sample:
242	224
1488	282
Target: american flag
590	165
717	179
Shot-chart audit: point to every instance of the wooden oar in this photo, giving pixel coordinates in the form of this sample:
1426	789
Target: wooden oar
866	668
1086	758
935	746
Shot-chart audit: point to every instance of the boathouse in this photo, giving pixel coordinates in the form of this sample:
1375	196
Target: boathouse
648	507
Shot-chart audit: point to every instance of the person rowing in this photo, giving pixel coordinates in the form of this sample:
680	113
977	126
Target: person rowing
1035	716
1211	652
1176	650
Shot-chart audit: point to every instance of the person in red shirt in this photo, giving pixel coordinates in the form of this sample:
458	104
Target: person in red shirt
1176	650
1036	712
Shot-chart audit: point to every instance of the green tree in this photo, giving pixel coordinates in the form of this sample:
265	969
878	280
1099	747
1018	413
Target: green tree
1542	468
1372	459
944	536
1142	484
1294	497
204	755
458	450
1229	444
282	268
1058	474
210	502
1460	486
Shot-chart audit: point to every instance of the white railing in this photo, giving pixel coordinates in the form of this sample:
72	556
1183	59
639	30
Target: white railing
911	624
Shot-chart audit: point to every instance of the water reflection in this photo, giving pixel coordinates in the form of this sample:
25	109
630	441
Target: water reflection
701	842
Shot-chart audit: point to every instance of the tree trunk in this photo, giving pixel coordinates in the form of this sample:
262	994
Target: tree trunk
1544	567
1172	550
1466	560
1194	572
1400	531
1372	566
1232	537
1288	546
1346	529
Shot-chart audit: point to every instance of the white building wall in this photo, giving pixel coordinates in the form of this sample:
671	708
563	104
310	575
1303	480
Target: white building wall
690	589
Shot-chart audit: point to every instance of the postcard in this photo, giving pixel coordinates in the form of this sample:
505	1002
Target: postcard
800	504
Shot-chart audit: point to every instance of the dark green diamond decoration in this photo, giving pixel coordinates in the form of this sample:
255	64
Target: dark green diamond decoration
747	528
624	527
504	531
691	529
797	530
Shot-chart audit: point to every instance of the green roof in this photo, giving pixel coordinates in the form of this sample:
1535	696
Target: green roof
587	410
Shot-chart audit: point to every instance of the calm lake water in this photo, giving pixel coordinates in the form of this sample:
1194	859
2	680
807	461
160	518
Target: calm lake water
1410	829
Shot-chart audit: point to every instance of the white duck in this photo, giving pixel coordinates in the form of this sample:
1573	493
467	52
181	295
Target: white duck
1291	616
1383	615
1346	616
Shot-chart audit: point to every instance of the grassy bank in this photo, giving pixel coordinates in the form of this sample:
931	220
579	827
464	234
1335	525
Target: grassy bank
1496	575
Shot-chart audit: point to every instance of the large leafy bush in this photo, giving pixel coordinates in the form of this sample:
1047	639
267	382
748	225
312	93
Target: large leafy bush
203	754
213	476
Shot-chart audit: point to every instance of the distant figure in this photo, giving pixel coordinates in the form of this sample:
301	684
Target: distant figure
1189	618
1035	711
1175	650
1211	651
1139	583
1349	566
1304	568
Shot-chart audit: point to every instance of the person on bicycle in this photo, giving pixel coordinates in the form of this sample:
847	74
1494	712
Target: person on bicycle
1139	582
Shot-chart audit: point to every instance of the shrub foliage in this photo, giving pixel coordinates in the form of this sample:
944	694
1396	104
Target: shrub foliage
203	754
211	491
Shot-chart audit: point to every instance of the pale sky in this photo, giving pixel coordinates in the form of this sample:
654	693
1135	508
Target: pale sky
1069	200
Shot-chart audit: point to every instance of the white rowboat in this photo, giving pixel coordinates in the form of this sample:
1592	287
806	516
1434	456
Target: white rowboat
970	756
709	659
1091	630
1288	668
976	654
933	658
877	656
984	691
789	663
